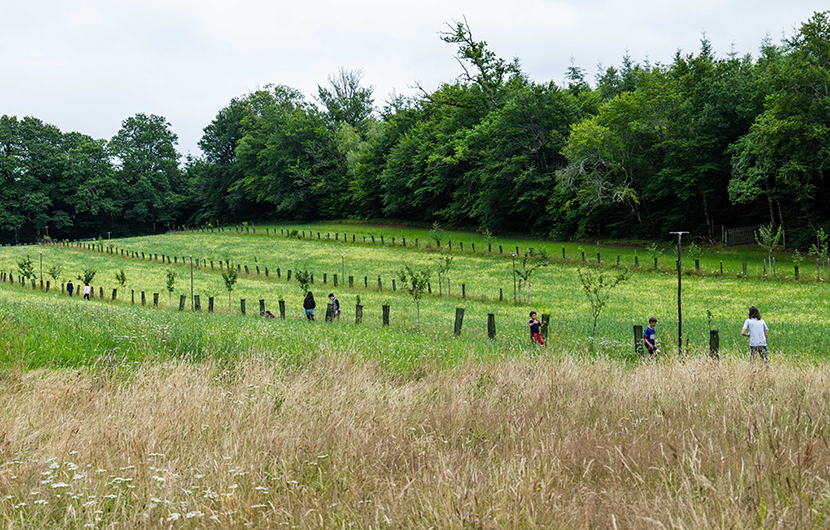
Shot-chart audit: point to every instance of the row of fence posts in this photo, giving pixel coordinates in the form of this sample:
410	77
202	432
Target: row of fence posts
197	306
639	347
767	264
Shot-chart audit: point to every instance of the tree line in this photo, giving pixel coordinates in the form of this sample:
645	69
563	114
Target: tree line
643	150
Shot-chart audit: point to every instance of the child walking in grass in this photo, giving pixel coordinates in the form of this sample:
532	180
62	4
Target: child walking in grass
650	338
756	329
535	329
309	304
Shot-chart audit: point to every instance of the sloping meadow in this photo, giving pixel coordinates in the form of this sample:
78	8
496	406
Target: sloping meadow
480	283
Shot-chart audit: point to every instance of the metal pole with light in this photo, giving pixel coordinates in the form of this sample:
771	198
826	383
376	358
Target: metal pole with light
679	307
192	302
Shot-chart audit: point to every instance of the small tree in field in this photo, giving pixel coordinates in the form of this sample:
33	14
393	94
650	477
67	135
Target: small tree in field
229	277
26	267
171	285
436	234
443	263
303	278
121	278
55	271
87	276
768	240
414	282
597	286
820	249
532	260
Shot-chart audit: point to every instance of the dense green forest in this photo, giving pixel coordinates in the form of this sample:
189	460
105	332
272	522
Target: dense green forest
643	149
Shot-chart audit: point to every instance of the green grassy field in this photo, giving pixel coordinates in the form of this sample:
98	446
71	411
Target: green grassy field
792	309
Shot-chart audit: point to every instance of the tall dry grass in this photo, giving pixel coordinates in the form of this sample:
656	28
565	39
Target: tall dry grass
338	443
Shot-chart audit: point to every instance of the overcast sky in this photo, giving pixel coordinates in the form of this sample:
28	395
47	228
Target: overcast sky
86	65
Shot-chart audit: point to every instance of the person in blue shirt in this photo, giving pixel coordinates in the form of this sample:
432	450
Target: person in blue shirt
650	338
535	329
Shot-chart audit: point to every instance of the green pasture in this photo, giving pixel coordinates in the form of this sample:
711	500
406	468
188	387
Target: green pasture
710	258
69	332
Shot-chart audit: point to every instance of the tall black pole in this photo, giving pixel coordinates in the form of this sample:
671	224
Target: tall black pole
514	278
679	306
192	300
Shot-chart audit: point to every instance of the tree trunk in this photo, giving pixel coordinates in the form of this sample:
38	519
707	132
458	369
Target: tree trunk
707	217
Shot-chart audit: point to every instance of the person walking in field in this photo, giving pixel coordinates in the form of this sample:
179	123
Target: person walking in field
70	288
335	303
756	329
650	338
309	304
87	290
535	330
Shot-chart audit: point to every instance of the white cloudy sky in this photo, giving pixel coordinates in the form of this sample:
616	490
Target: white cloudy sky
86	65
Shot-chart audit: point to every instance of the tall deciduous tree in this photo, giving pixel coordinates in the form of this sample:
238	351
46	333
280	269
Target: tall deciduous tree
785	156
148	170
346	100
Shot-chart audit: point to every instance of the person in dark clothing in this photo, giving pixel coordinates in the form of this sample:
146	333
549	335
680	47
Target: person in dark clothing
309	304
335	303
536	329
70	288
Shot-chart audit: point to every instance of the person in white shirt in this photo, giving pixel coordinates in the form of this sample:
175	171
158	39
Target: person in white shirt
756	329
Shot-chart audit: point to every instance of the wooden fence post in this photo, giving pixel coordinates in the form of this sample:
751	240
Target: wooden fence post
358	313
210	304
796	272
242	305
282	309
329	312
385	315
143	298
335	280
459	320
545	325
114	294
197	303
491	325
155	299
261	307
463	290
182	300
639	346
132	296
714	344
351	282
